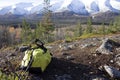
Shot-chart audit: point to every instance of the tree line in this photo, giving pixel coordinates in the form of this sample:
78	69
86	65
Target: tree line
46	31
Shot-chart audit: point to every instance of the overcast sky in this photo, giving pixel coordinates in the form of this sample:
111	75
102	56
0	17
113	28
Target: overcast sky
4	3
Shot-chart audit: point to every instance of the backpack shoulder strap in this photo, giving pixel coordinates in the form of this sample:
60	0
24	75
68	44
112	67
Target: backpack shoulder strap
30	61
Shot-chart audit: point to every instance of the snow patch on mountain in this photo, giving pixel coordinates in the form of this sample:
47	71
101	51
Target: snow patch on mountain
56	6
19	11
78	7
94	7
37	9
5	10
102	6
115	4
107	3
117	0
26	6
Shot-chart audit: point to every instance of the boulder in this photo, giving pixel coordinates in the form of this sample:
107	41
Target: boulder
117	59
107	46
112	72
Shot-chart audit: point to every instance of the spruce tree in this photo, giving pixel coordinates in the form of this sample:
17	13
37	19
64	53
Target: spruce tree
46	21
26	32
89	28
79	30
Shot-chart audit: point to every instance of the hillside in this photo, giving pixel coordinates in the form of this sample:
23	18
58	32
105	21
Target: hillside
76	60
59	19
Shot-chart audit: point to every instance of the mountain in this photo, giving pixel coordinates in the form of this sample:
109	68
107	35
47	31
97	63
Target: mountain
108	4
5	10
56	6
17	9
94	7
64	12
77	7
80	7
37	9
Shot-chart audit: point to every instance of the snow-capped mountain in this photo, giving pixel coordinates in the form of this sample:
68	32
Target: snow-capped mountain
17	9
77	7
37	9
5	10
82	7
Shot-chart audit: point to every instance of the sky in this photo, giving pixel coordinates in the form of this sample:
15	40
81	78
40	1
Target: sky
4	3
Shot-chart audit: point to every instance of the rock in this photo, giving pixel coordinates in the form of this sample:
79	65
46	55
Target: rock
49	47
65	47
87	45
65	54
96	77
111	61
23	48
107	47
117	59
99	78
76	44
64	77
118	50
70	58
112	72
71	46
96	39
95	55
100	68
68	46
11	55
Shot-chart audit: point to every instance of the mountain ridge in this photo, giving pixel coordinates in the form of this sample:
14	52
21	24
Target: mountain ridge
80	7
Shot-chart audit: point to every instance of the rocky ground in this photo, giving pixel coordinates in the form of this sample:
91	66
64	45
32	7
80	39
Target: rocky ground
76	60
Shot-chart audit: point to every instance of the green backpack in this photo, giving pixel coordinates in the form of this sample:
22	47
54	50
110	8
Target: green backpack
36	58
